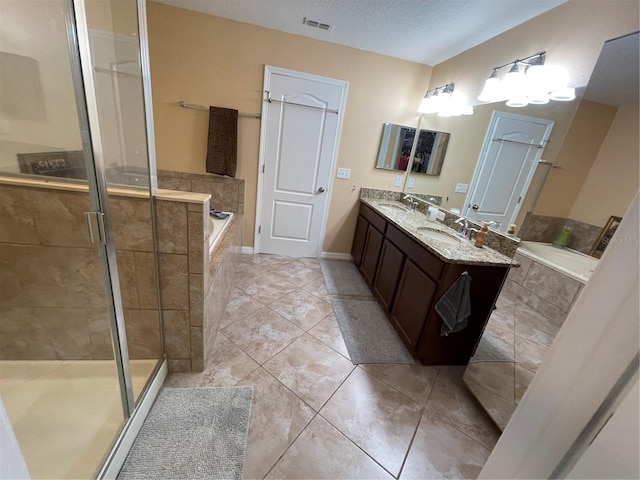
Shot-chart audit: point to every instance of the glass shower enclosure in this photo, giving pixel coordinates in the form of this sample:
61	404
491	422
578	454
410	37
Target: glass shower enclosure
80	318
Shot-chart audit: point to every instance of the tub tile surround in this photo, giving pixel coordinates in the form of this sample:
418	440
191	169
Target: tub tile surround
498	241
43	246
531	309
227	193
541	228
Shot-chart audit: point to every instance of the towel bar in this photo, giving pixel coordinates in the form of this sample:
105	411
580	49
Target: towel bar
273	100
184	104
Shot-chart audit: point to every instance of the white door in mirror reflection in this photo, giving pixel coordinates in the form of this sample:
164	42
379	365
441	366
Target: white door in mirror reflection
298	144
510	154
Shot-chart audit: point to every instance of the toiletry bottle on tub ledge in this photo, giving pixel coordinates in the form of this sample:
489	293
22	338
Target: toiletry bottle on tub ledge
563	237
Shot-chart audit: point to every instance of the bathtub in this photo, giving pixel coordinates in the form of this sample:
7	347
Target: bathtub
564	260
217	228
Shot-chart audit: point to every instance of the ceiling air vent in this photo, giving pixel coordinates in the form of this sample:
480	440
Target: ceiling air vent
314	24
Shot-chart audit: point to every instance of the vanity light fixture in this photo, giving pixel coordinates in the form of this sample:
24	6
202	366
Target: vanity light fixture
528	81
445	102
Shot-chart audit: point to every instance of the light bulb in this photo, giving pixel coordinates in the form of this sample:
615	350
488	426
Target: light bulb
563	94
514	82
492	91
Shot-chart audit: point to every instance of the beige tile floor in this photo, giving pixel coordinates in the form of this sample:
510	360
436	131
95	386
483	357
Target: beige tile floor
66	413
314	413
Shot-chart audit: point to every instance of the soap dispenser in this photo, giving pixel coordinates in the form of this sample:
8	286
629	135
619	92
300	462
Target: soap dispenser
481	235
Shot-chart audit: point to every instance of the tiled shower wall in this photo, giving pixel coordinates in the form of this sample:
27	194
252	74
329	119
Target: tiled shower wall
52	299
540	228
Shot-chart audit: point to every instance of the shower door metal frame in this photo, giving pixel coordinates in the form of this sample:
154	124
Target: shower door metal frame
86	104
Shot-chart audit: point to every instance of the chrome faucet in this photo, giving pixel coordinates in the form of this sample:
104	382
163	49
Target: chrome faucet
412	202
464	230
464	225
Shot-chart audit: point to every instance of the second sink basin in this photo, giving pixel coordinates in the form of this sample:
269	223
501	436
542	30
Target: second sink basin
393	206
438	236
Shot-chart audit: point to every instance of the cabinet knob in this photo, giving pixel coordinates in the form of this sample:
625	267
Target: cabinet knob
475	207
321	190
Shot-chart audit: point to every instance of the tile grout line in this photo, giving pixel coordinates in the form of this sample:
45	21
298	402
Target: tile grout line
342	433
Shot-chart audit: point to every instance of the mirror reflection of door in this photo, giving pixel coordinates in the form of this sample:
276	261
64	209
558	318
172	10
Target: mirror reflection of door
512	149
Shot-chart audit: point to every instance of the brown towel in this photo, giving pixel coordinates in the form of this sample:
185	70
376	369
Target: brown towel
222	147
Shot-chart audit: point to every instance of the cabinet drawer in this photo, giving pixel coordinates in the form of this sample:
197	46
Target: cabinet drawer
373	218
418	254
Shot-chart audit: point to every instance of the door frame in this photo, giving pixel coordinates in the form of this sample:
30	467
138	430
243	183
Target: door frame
268	70
485	148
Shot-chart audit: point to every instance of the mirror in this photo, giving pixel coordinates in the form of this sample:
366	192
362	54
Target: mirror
465	147
530	310
396	145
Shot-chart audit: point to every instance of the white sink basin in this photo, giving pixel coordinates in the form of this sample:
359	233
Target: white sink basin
438	236
392	207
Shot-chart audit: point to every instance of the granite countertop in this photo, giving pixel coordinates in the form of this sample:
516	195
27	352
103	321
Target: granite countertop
464	252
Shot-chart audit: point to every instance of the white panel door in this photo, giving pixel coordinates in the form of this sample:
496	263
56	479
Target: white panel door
298	149
510	155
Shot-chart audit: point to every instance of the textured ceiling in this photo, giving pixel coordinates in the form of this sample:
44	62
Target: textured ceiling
423	31
614	80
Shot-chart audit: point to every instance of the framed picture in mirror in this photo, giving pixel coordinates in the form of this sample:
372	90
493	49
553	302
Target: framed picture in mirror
605	236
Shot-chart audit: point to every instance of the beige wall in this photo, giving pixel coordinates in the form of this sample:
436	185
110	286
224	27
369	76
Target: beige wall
581	145
614	174
189	48
213	61
571	34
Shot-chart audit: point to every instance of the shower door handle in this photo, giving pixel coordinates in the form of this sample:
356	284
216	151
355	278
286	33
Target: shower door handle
95	227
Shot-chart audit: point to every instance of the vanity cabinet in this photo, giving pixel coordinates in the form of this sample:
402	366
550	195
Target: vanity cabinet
407	280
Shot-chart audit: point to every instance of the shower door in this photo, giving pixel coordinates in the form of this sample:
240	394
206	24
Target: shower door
80	333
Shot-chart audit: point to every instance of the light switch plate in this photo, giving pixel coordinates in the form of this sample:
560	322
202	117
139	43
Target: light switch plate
462	187
344	173
398	181
410	182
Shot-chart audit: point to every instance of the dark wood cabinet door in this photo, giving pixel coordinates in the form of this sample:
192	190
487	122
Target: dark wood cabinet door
389	270
372	247
412	303
358	239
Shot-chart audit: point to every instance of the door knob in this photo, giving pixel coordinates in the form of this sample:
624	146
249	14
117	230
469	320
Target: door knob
321	190
475	207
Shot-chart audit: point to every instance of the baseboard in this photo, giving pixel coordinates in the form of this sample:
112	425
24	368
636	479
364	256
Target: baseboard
247	250
128	435
335	256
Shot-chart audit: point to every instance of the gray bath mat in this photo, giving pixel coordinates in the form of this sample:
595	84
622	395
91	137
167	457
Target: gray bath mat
367	333
490	350
343	278
192	433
